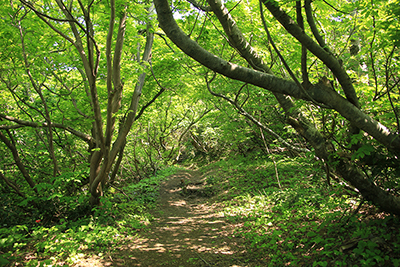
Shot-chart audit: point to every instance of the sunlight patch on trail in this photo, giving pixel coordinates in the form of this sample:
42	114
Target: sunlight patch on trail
186	230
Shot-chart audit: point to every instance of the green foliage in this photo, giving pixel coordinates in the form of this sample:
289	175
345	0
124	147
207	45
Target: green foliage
391	22
143	194
100	232
303	223
14	236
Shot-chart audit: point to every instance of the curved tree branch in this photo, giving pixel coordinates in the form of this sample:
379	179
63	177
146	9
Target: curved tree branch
313	27
154	98
319	92
327	58
128	121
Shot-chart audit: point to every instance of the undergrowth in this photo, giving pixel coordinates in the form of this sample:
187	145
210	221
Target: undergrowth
97	232
289	218
304	222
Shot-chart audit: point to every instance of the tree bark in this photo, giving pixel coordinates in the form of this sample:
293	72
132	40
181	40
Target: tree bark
103	151
101	177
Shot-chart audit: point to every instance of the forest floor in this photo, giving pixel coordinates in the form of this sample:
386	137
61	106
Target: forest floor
227	215
187	230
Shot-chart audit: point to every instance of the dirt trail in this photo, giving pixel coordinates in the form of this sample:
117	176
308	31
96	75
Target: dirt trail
187	231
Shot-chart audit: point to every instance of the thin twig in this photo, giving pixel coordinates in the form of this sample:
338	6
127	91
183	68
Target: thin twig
203	259
273	160
337	10
120	190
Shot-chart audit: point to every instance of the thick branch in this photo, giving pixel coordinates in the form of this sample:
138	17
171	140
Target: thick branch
131	113
114	86
329	60
236	37
108	46
300	21
129	119
90	70
313	27
368	189
272	83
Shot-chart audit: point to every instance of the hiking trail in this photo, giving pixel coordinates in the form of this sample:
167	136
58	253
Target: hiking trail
187	230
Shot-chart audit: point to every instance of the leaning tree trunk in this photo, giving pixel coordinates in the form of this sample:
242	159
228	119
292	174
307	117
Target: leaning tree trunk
318	93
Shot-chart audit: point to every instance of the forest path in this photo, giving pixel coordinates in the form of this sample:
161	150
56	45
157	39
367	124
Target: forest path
187	230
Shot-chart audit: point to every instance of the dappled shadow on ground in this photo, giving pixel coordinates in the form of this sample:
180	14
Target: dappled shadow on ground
187	231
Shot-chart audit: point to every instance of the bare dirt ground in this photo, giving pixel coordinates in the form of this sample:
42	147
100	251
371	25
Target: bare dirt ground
187	231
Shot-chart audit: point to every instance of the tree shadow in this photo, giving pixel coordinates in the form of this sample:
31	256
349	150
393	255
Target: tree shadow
186	231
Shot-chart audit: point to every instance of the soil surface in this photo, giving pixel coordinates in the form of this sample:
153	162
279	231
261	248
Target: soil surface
188	230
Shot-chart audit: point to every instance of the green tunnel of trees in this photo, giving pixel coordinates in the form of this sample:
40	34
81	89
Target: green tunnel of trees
94	92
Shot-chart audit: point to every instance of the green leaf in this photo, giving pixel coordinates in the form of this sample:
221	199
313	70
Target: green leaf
311	234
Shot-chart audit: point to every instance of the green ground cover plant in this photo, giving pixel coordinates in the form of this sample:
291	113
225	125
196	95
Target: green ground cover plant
300	221
122	213
306	222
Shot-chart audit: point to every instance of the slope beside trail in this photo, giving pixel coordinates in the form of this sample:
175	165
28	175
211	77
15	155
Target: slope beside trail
186	231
